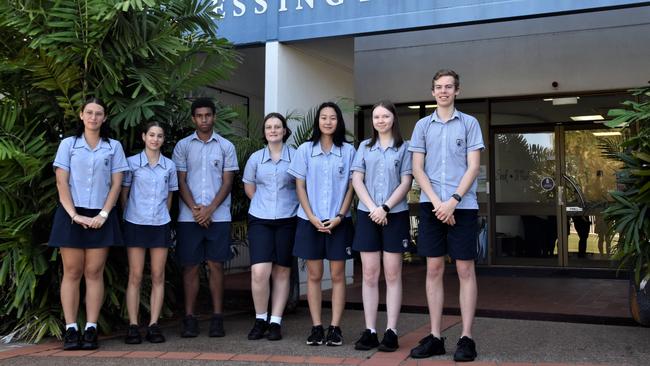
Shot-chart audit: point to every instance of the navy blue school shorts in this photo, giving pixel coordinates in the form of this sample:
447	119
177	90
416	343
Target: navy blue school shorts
271	240
67	234
312	244
436	239
147	236
392	238
196	244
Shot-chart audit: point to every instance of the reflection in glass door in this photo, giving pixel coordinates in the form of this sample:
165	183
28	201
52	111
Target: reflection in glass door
525	189
589	175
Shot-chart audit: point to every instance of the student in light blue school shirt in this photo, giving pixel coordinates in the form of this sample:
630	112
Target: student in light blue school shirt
88	168
324	229
146	197
382	178
206	164
271	225
446	150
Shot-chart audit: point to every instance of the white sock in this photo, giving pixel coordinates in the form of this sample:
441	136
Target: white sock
72	325
372	330
262	316
394	330
89	324
276	319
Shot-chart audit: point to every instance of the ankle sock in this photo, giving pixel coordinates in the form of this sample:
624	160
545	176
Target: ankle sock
72	325
276	319
89	324
263	316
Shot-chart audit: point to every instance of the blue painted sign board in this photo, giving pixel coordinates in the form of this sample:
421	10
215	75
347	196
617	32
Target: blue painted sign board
259	21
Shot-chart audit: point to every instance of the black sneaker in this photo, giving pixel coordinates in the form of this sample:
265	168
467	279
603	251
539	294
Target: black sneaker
89	339
259	328
389	343
334	336
275	332
465	350
190	328
154	335
367	341
429	346
317	335
72	339
133	335
216	326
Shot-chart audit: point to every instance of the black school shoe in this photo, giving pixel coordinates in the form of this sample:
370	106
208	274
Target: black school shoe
429	346
89	339
133	335
275	332
216	326
389	343
367	341
465	350
334	336
71	339
154	334
316	336
259	329
190	327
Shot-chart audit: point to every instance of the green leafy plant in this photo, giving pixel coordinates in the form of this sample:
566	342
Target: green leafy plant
143	57
629	215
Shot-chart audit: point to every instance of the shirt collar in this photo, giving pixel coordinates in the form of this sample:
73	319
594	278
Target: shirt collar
215	137
144	160
377	145
266	154
317	150
435	118
81	143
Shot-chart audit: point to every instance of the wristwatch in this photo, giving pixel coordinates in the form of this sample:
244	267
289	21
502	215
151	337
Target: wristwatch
457	197
103	214
385	208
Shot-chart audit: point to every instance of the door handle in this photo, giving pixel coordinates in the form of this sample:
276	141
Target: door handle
560	195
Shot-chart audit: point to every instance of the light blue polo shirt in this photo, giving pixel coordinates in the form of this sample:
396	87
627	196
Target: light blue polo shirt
275	189
90	170
205	163
445	145
383	170
150	187
326	177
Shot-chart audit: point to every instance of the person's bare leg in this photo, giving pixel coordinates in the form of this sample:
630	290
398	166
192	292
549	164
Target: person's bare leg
314	294
435	292
158	262
337	269
468	294
393	276
260	286
136	266
281	285
371	267
73	269
94	278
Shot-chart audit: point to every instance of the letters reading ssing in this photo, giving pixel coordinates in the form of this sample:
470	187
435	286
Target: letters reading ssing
240	7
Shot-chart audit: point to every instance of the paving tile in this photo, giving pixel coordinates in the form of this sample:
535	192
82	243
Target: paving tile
211	356
179	355
143	354
324	360
515	364
484	363
250	357
381	362
76	353
353	361
44	353
109	354
436	363
398	355
286	359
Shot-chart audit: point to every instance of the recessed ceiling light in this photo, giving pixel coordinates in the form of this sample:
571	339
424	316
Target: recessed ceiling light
610	133
414	107
592	117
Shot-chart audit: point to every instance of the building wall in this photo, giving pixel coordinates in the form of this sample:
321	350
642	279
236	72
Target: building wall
583	52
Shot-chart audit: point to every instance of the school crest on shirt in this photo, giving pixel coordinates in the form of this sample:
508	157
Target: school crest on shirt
106	162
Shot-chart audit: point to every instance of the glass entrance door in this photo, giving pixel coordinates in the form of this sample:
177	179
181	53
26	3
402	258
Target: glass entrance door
525	197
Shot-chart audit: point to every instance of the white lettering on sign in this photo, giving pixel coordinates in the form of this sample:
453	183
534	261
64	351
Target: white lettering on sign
239	7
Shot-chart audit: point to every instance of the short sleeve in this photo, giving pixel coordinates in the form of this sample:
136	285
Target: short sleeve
407	161
173	178
359	161
179	157
62	159
230	163
350	157
298	167
418	139
119	163
474	136
250	170
127	179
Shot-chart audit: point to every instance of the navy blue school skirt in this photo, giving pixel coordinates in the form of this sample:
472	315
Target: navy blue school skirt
68	234
147	236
